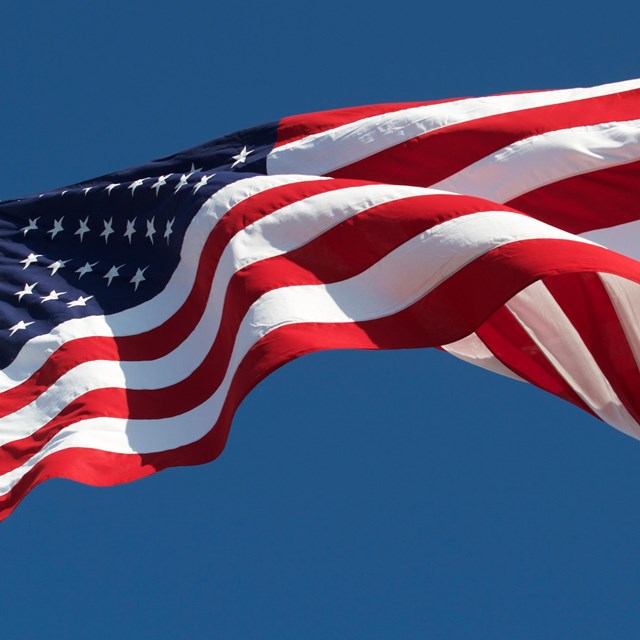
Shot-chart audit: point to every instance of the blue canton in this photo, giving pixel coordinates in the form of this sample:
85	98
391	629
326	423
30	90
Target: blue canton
111	243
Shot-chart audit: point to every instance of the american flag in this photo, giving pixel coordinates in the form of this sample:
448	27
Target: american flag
138	309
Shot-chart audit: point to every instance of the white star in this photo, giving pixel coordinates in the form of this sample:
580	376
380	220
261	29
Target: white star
130	229
86	190
28	290
65	191
82	229
112	186
58	264
32	225
150	229
193	168
241	158
112	273
108	230
134	185
162	180
57	228
169	229
203	182
80	302
139	277
183	181
21	325
30	259
87	268
54	295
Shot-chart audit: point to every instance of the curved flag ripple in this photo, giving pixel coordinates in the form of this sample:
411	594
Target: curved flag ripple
138	309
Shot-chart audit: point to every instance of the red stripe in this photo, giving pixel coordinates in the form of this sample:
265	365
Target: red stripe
593	200
436	155
297	127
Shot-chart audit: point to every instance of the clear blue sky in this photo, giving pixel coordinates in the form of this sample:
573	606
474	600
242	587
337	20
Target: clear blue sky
361	495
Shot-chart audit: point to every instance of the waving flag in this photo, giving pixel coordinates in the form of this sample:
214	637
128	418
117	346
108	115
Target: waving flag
138	309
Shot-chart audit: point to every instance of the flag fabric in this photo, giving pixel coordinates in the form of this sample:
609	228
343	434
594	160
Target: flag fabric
138	309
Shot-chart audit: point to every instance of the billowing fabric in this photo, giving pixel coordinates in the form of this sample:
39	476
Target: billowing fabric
138	309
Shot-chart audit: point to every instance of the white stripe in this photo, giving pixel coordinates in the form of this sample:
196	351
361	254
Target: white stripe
157	310
321	153
395	282
474	351
540	160
548	326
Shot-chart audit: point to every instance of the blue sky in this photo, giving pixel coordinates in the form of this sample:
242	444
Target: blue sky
361	495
